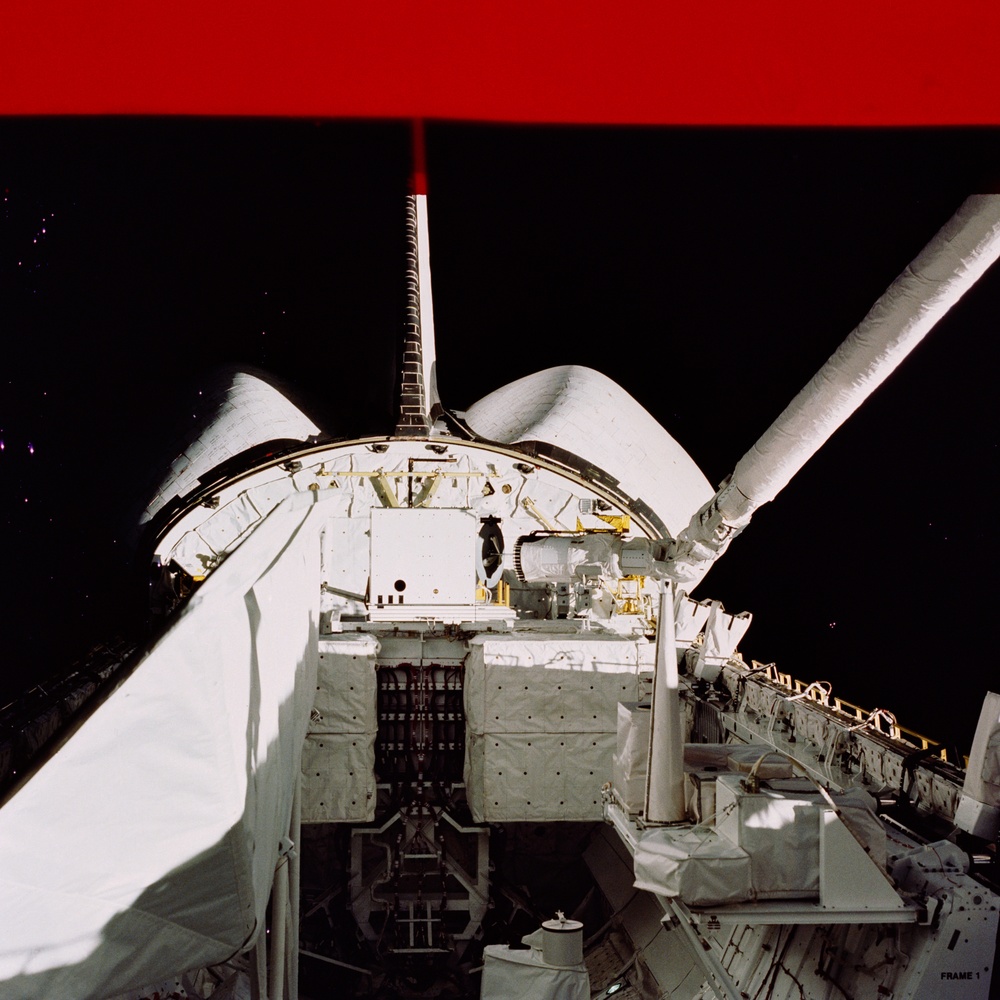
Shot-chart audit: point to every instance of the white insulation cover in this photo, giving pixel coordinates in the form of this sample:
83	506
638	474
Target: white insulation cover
346	685
338	759
694	864
522	972
585	413
779	827
147	844
338	778
571	683
537	777
631	760
541	723
764	845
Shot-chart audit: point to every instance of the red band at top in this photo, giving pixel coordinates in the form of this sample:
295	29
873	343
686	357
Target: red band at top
853	62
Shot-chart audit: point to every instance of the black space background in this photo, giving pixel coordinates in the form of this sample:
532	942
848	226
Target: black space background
709	272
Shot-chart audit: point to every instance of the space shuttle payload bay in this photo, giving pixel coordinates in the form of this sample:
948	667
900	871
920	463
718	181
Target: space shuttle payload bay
387	660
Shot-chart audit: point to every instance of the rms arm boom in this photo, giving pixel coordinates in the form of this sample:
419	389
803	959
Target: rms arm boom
947	267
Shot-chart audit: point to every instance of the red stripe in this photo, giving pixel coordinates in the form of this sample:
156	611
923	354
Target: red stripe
418	176
650	61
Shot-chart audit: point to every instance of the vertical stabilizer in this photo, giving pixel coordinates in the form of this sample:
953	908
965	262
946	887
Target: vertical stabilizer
419	403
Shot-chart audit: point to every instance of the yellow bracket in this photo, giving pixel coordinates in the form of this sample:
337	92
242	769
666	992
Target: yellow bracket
620	523
628	592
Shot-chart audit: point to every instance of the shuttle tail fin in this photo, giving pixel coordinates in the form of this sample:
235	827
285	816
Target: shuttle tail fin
419	403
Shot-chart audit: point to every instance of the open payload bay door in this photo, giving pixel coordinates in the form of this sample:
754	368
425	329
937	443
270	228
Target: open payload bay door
160	820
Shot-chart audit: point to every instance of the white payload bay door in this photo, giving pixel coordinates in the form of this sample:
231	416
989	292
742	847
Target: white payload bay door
147	844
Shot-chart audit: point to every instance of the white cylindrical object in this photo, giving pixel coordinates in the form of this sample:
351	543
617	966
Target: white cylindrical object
566	558
665	777
294	892
940	275
279	909
947	267
562	942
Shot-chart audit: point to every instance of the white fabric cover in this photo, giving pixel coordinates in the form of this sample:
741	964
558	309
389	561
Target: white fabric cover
541	723
338	759
756	757
220	533
631	760
779	827
523	974
690	617
567	683
765	845
780	832
704	760
146	845
346	685
338	778
584	412
693	863
521	777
